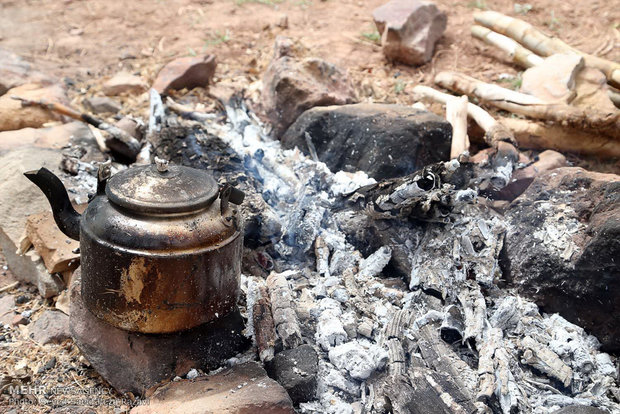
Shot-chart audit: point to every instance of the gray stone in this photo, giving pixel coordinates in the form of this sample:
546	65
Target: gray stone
409	30
19	198
51	327
296	370
382	140
291	86
134	362
102	105
562	248
242	389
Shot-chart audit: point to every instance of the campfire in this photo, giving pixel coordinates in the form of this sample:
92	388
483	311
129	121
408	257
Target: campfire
305	252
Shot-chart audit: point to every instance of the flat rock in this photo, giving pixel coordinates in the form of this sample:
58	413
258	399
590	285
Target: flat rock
19	198
554	79
562	248
124	83
291	86
186	72
242	389
102	105
7	309
409	30
296	370
134	362
52	137
51	327
381	139
15	71
55	248
14	116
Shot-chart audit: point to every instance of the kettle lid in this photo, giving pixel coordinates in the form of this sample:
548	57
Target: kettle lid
162	189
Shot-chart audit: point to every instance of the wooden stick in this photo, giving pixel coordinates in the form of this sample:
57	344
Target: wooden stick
540	43
264	328
531	106
126	144
494	130
517	53
535	135
456	114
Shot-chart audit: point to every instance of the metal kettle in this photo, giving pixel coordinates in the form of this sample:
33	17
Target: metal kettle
160	245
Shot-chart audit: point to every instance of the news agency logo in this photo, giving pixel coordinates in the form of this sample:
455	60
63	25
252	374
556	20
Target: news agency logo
27	389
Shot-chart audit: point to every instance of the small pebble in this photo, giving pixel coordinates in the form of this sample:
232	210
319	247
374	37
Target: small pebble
21	299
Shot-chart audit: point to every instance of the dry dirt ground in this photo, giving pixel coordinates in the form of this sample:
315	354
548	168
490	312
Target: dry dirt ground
83	42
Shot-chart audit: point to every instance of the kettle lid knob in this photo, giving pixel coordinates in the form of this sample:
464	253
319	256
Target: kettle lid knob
161	164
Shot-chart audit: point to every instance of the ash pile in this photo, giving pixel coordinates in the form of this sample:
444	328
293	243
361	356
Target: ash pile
381	273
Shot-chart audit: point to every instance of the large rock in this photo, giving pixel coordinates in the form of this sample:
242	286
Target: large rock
52	137
14	116
291	86
383	140
242	389
19	198
296	370
409	30
15	71
134	362
186	72
562	248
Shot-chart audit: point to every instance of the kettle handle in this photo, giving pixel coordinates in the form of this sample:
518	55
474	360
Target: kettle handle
228	193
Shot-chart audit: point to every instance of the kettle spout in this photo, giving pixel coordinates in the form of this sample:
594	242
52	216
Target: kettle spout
67	219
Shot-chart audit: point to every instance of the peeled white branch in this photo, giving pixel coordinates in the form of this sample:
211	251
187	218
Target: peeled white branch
494	130
536	135
456	114
540	43
528	105
517	53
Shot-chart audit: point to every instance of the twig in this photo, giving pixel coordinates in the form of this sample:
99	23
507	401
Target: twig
125	143
9	287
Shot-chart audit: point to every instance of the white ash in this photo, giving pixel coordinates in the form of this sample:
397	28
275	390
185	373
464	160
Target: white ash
345	183
557	230
374	264
359	358
302	192
192	374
